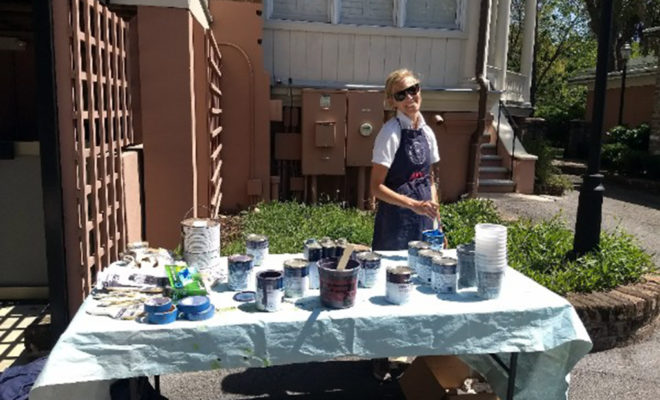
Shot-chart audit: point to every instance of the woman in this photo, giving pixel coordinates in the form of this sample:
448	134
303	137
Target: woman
402	177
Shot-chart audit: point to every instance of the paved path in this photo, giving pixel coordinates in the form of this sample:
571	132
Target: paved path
632	371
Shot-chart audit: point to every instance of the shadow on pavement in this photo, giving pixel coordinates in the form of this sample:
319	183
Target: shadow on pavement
327	380
631	195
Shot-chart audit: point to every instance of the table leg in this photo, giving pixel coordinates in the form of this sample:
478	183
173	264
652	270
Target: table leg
157	383
511	370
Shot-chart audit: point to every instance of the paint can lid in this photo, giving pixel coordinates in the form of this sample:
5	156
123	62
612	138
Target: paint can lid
419	244
296	263
245	296
240	258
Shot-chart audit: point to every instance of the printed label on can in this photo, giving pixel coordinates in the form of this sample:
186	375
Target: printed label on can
257	254
295	286
444	283
398	293
269	298
313	274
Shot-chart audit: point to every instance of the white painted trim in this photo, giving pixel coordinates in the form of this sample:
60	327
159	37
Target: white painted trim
194	6
320	27
334	10
399	13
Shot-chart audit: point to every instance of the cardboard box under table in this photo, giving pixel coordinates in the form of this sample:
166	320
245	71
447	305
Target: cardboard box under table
541	328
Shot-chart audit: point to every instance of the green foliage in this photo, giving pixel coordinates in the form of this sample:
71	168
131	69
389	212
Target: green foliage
540	252
634	138
288	224
459	219
547	177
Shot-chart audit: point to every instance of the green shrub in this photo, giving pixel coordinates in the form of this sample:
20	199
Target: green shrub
540	252
634	138
288	224
459	219
547	177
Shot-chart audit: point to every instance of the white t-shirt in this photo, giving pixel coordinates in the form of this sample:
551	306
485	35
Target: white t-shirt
389	137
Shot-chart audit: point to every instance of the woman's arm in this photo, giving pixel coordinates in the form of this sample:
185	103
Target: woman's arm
383	193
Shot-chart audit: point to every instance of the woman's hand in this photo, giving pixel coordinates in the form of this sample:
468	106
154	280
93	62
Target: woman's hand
427	208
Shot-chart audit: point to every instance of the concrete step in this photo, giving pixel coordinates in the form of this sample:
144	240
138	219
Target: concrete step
489	160
497	173
488	149
496	185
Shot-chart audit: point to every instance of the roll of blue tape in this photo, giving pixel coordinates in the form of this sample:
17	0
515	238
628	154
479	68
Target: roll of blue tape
157	304
160	318
202	315
193	304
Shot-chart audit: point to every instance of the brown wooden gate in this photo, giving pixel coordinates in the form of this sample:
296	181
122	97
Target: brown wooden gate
91	61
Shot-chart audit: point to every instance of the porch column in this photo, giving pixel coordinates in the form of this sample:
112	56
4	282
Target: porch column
527	53
493	31
502	44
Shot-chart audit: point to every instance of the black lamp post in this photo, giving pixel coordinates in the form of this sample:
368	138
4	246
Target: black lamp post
590	204
625	56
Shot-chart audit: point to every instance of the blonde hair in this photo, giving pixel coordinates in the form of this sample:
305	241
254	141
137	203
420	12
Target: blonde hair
393	78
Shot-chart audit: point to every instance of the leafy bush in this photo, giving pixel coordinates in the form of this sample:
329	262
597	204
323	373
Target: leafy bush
288	224
633	138
537	250
540	252
460	218
547	177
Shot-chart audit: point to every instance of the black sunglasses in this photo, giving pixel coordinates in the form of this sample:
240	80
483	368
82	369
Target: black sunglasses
412	90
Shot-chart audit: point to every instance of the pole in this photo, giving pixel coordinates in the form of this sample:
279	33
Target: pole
590	204
623	90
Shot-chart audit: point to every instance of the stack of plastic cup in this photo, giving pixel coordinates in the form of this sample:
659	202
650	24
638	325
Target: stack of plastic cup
490	259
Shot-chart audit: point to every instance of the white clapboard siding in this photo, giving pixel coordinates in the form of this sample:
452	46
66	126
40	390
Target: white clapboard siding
301	10
363	59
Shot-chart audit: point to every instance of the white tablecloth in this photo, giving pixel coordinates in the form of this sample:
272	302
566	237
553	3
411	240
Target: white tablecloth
527	319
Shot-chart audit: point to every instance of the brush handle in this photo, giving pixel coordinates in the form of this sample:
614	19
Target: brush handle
345	257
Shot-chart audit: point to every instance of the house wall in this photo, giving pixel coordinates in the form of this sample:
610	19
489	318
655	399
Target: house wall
18	95
637	105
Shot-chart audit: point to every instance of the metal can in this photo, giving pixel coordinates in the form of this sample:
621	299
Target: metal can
399	285
424	262
257	247
340	246
296	277
369	269
443	275
240	270
270	290
413	249
329	247
313	252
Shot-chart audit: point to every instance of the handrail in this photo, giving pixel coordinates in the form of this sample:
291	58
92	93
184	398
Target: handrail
514	127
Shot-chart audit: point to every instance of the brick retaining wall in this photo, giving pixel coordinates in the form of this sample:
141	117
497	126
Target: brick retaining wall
613	317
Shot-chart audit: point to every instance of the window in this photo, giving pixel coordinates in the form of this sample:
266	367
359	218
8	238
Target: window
301	10
367	12
431	14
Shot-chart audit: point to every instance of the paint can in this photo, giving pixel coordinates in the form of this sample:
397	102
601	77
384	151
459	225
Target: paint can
257	247
467	270
398	285
435	238
424	263
369	269
443	275
413	249
340	246
296	277
338	288
313	253
240	271
200	235
270	290
311	242
329	247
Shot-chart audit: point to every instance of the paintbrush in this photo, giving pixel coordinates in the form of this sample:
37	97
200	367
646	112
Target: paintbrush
345	257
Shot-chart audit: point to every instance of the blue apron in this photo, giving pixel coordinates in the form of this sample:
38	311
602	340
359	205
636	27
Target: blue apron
409	175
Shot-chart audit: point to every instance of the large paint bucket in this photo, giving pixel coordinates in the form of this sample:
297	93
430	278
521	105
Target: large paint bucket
338	288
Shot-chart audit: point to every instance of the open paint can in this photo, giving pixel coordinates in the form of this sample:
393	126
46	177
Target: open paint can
399	285
296	277
270	290
338	288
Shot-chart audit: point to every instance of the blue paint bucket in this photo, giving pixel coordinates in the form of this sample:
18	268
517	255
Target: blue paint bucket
240	270
435	238
369	269
257	247
443	275
270	290
296	277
